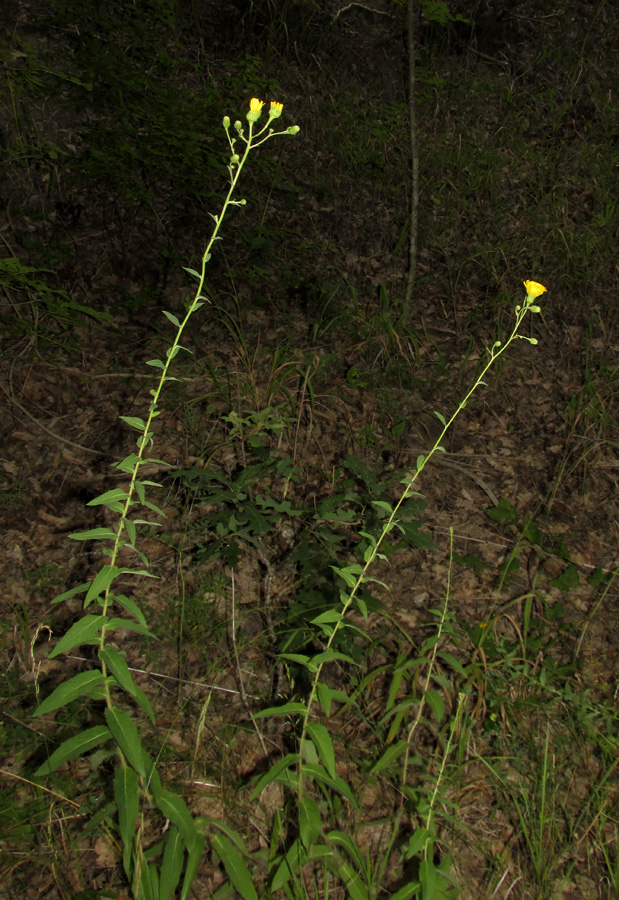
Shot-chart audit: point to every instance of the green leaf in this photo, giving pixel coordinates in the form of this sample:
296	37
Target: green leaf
326	695
81	632
175	809
102	580
126	735
417	842
117	622
287	709
193	861
172	318
117	665
294	859
145	884
172	864
389	756
435	702
134	422
131	607
327	617
74	747
427	877
68	594
277	772
504	513
235	867
353	881
405	893
567	580
324	744
95	534
126	793
318	773
113	496
83	685
310	824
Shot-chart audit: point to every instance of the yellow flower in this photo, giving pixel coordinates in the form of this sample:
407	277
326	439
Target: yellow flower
276	109
255	109
534	289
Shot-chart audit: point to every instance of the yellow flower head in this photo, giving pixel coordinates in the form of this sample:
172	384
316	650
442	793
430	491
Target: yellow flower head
534	289
276	109
255	109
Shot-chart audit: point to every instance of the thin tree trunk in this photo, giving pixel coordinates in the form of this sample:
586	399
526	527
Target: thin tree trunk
412	246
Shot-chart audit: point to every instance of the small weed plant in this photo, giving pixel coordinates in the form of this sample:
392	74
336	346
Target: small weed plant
313	845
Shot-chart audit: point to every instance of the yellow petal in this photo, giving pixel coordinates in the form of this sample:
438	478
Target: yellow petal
534	288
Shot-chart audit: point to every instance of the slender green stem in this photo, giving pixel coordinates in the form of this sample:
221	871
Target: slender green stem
494	354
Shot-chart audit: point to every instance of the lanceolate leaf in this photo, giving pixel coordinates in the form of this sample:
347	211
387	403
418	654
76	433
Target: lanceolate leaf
120	670
310	824
389	756
74	747
126	736
175	809
94	534
81	632
172	865
322	741
79	589
294	859
287	709
132	608
113	496
193	861
126	793
116	622
84	684
101	582
235	867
